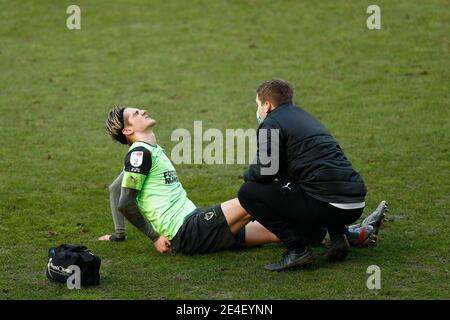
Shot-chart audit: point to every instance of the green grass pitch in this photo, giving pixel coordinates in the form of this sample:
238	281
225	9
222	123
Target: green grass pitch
384	94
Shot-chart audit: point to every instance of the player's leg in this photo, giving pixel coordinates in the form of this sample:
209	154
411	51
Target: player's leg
220	227
256	234
363	234
237	218
235	215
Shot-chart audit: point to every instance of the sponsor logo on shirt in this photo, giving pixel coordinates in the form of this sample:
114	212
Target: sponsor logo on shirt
170	177
131	181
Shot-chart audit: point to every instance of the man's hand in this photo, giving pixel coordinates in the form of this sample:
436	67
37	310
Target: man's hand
162	244
105	237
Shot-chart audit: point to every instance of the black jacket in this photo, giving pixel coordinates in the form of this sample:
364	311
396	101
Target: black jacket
308	155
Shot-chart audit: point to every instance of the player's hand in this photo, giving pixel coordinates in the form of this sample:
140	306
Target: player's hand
162	244
105	237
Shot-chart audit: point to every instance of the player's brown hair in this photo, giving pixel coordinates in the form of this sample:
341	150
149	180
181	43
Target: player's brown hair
277	91
115	124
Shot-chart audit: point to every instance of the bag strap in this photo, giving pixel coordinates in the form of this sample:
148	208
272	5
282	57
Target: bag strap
87	256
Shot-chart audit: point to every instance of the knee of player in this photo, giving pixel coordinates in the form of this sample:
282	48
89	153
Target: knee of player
248	217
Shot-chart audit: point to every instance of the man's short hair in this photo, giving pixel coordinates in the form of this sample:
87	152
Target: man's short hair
277	91
115	124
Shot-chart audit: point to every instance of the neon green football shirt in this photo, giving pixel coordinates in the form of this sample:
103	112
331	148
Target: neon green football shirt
161	198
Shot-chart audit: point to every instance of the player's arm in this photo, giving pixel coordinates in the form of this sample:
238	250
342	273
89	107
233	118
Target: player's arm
137	167
129	208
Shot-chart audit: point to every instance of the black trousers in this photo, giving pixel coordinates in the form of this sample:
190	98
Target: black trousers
292	215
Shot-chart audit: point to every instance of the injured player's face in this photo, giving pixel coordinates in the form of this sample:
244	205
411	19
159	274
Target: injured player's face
137	120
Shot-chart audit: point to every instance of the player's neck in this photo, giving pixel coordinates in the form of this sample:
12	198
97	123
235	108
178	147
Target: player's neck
148	137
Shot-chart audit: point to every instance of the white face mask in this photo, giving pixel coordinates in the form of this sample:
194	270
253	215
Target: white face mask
258	118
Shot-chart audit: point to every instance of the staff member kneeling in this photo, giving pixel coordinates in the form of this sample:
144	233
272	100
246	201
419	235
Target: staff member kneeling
314	186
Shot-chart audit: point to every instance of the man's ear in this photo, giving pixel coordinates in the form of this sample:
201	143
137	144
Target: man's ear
268	106
127	131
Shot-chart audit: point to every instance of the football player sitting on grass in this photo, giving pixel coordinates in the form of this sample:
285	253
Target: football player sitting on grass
149	194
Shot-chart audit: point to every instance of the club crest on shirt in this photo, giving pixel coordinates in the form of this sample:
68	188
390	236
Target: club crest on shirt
209	215
136	158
